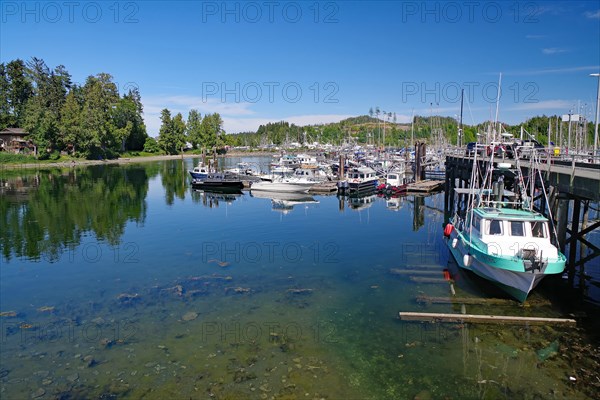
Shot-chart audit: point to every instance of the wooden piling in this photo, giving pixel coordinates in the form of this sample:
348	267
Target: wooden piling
573	240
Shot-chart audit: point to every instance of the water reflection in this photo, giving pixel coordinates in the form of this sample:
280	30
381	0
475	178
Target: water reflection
45	212
226	299
285	202
213	198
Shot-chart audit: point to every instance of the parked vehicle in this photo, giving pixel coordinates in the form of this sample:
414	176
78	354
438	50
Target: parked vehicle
473	147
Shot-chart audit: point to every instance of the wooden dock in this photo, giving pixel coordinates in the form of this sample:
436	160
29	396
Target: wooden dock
426	186
485	319
324	187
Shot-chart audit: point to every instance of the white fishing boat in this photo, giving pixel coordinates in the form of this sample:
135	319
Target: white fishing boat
500	237
362	179
284	185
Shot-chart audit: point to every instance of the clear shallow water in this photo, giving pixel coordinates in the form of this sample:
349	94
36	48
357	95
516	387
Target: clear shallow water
126	283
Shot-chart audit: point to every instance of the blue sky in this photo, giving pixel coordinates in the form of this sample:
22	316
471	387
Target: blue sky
310	62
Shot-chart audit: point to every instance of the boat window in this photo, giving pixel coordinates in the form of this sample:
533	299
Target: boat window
495	227
537	229
392	177
476	222
516	228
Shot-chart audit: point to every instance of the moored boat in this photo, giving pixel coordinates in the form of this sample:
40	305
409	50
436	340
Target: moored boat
284	185
502	239
222	180
200	171
362	179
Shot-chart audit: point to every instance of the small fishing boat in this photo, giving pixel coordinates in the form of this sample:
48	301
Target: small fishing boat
362	179
200	171
221	180
501	238
395	184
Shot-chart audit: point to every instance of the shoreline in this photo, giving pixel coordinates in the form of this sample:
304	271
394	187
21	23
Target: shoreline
127	160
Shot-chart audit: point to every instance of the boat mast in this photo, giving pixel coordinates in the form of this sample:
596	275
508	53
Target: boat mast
462	93
496	127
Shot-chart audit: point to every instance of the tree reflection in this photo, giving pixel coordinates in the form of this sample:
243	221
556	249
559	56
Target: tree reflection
45	212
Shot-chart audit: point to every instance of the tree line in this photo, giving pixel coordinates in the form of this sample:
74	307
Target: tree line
197	133
91	120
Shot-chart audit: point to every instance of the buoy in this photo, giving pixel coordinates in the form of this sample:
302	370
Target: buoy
467	260
454	243
447	275
448	230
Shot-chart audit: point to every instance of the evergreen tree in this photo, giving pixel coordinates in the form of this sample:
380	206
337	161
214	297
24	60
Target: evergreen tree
71	123
6	118
178	129
99	138
166	137
19	91
194	128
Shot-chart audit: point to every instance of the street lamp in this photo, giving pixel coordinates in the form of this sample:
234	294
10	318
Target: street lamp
597	115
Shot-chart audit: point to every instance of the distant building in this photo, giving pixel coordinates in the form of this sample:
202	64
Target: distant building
14	140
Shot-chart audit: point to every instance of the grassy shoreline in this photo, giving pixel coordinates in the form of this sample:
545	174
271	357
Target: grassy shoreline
123	160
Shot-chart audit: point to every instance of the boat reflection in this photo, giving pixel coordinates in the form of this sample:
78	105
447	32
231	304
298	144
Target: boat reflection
285	202
361	202
214	197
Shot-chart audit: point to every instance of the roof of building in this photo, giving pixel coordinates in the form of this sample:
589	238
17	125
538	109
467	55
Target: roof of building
13	131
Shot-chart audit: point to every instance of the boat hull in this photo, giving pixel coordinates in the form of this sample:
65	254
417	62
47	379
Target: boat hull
363	186
282	187
217	185
502	271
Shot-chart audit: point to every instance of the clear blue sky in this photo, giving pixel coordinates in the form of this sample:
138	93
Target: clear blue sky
310	62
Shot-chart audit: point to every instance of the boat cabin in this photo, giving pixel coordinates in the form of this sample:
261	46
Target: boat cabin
362	174
510	232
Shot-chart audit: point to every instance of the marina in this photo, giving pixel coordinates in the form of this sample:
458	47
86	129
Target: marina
227	309
283	201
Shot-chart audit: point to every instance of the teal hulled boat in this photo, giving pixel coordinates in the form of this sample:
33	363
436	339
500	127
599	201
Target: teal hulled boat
500	237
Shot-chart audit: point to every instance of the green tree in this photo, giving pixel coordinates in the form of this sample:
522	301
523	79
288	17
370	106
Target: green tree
178	129
6	119
194	128
138	134
166	136
151	145
70	122
20	90
99	136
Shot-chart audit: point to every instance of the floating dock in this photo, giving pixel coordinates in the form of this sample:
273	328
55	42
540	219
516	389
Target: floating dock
426	186
324	187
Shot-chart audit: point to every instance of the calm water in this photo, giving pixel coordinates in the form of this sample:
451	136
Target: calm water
123	282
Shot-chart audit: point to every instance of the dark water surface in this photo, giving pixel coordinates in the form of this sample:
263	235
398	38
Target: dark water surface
123	282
